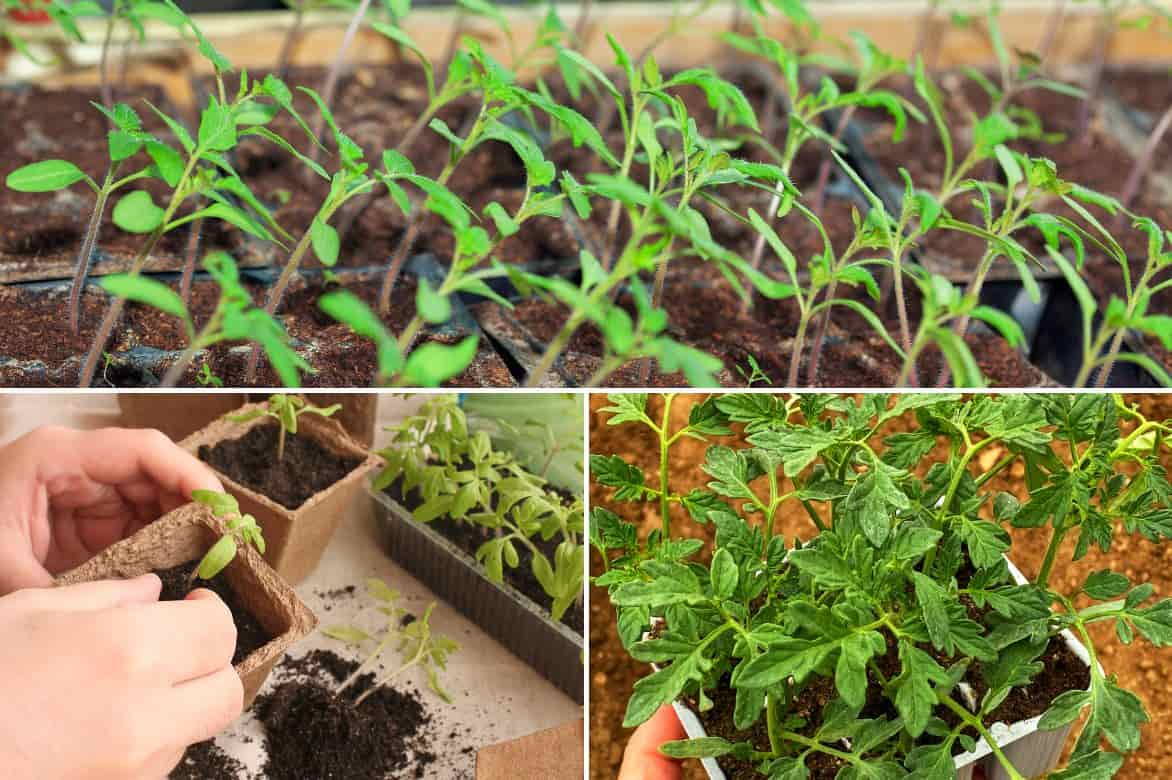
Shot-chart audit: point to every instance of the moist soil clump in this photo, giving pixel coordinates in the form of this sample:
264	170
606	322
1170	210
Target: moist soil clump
206	761
469	538
313	732
250	634
251	460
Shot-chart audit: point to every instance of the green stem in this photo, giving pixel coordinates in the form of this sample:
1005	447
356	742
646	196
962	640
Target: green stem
665	518
976	723
1056	537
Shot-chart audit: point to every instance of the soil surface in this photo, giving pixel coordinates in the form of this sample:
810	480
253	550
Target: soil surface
308	467
1141	667
469	537
311	731
205	761
250	634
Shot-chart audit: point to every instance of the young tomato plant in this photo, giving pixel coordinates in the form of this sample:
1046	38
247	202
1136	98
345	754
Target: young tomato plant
410	636
661	213
902	604
241	530
459	474
285	409
1102	348
197	171
235	318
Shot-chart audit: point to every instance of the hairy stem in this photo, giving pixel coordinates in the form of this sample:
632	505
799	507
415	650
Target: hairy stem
1103	36
292	36
1143	163
819	341
664	444
1053	25
110	319
795	358
81	268
330	88
818	199
656	302
1056	537
191	254
278	292
107	89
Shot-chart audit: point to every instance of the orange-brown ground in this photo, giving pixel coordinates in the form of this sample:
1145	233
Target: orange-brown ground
1141	668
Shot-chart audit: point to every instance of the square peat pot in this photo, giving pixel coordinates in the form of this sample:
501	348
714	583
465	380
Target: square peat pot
294	538
1032	752
183	536
503	612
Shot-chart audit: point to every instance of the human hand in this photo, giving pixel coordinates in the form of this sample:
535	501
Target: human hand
642	759
102	681
66	495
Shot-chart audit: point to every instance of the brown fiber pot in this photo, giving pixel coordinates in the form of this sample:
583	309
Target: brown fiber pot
358	414
184	535
176	414
295	538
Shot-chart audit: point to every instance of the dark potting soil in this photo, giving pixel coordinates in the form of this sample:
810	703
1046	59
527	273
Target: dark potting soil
206	761
469	538
250	634
308	467
807	705
313	733
1062	671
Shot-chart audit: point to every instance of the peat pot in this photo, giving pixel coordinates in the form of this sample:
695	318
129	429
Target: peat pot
294	538
175	414
1032	752
510	617
184	536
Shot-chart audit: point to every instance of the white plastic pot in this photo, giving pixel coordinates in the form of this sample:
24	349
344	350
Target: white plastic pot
1032	752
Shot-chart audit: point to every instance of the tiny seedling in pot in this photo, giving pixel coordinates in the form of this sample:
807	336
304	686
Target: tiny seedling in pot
241	531
285	409
411	637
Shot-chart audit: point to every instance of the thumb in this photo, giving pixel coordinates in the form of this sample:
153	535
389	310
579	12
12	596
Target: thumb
642	759
106	594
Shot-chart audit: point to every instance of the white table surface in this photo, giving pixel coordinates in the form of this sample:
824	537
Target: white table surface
496	697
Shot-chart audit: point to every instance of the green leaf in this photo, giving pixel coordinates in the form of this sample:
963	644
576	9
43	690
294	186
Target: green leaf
1105	584
704	747
432	306
217	558
1092	766
613	471
326	243
664	686
45	176
433	364
724	574
797	447
217	128
145	290
167	160
672	583
915	698
136	212
345	307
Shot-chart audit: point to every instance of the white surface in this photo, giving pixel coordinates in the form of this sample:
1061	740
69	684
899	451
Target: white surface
495	696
